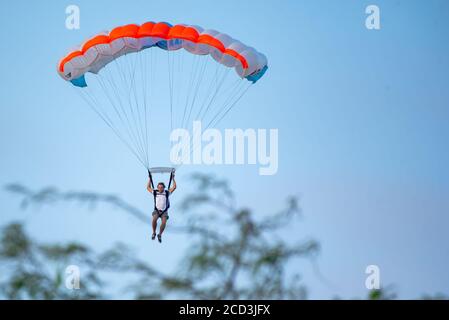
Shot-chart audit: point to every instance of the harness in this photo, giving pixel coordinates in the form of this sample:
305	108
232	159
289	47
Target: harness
166	193
167	201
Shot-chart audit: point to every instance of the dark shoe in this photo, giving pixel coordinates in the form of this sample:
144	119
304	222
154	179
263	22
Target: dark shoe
153	236
159	238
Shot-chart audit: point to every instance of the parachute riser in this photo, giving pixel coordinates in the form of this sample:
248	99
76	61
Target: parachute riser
161	170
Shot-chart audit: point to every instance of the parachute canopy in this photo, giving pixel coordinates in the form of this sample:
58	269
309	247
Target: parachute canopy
103	48
135	76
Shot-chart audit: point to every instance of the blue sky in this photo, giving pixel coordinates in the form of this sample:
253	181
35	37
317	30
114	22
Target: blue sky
362	118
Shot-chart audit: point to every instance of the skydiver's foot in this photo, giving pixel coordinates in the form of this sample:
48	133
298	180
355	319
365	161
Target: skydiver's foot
159	238
153	236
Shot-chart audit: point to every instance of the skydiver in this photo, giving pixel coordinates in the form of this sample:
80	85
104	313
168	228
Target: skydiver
161	206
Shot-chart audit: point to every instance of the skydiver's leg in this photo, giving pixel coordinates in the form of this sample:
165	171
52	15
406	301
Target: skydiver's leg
163	224
154	225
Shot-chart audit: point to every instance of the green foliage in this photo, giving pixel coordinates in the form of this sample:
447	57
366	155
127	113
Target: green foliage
33	271
14	242
233	253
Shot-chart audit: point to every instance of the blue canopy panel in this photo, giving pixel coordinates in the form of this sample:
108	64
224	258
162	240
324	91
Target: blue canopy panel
79	82
256	76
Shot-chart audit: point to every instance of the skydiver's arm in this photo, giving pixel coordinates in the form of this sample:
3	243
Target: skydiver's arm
174	186
149	188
